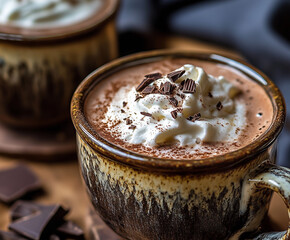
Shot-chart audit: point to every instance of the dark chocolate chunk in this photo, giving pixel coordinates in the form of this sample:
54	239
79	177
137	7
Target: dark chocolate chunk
166	88
39	225
173	101
124	104
132	127
189	86
155	76
173	76
146	114
22	209
128	121
70	230
148	90
181	85
194	118
174	114
144	84
16	182
209	94
10	236
219	106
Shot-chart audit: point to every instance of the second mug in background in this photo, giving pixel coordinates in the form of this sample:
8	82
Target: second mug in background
40	68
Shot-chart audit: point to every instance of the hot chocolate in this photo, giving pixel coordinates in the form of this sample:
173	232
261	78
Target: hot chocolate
183	109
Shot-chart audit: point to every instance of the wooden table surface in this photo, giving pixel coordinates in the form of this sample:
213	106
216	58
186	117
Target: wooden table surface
62	182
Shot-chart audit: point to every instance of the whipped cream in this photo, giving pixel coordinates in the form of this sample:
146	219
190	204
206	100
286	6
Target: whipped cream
46	13
206	113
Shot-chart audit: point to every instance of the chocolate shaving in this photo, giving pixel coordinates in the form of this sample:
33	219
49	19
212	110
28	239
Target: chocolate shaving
124	104
173	101
146	114
173	76
166	88
219	106
155	76
122	111
174	114
128	121
189	86
148	90
132	127
181	85
195	117
144	84
138	97
209	94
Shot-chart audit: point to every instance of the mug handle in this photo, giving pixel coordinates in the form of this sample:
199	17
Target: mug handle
276	178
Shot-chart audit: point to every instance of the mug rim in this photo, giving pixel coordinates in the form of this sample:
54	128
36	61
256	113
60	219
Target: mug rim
29	35
227	160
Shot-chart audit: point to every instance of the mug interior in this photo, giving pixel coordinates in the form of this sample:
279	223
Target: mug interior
101	145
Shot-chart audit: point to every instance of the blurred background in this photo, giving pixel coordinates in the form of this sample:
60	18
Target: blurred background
256	30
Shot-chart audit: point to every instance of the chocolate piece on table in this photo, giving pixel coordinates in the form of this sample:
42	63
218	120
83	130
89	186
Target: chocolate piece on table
189	86
22	209
219	106
10	236
16	182
173	76
155	76
70	230
40	225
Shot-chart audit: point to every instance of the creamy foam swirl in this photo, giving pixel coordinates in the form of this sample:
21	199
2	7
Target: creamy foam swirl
209	114
46	13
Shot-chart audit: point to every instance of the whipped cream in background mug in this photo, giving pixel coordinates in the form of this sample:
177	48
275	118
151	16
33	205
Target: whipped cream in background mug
46	13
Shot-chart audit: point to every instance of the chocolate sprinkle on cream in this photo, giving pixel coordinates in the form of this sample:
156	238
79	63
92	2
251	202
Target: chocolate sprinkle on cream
146	114
173	101
173	76
124	104
122	111
219	106
174	114
189	86
194	118
144	84
148	90
128	121
155	76
132	127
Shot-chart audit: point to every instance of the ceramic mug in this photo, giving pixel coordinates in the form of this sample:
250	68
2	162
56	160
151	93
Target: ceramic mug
221	197
40	69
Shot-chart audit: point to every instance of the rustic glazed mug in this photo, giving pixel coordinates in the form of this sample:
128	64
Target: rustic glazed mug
222	197
41	68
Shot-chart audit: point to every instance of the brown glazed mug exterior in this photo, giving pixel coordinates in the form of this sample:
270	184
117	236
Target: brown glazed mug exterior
217	198
40	70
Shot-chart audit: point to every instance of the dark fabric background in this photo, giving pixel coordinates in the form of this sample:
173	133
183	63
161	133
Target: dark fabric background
258	29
